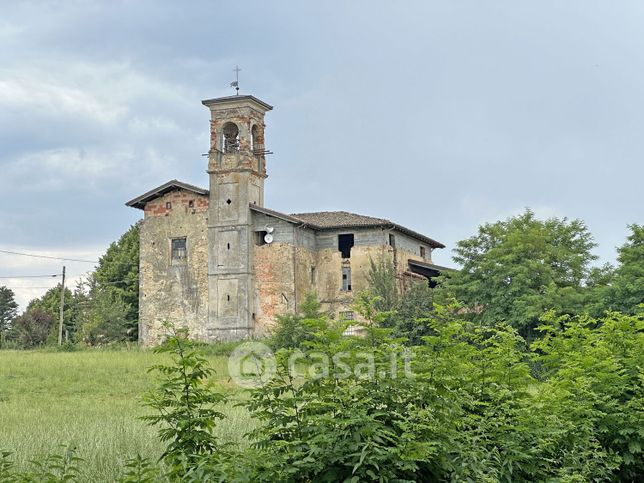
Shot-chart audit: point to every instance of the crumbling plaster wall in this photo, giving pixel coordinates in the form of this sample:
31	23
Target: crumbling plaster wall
176	292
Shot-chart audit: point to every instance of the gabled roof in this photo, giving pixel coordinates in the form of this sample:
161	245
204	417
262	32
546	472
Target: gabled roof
334	220
140	201
320	220
339	219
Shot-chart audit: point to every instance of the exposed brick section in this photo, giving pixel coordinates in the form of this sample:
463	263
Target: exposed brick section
179	200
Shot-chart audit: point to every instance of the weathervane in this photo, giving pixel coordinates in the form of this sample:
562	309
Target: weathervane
235	83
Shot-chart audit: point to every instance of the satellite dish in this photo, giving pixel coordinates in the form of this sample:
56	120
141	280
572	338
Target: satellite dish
268	238
269	229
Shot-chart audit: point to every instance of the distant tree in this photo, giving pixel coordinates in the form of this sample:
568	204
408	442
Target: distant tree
514	270
115	284
106	320
50	304
32	328
627	290
8	311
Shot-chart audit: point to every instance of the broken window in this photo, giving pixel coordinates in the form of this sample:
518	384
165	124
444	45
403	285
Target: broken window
392	240
178	249
230	138
260	238
346	279
345	242
422	251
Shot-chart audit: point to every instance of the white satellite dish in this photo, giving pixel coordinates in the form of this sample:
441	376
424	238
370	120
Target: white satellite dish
269	229
268	238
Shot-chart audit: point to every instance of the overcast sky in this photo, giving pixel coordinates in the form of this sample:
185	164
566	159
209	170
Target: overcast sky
439	115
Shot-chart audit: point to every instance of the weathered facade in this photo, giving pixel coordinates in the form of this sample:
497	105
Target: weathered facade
221	264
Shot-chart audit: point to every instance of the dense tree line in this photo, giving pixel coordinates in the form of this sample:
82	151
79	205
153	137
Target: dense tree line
101	309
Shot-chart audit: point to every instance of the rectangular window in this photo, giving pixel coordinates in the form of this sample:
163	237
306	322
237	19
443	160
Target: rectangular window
191	204
422	251
178	246
312	275
345	242
346	279
392	240
168	205
260	238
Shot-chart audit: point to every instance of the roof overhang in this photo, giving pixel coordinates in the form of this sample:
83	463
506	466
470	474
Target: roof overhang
231	100
140	201
428	270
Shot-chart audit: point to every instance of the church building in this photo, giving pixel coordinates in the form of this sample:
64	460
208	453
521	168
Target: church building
222	264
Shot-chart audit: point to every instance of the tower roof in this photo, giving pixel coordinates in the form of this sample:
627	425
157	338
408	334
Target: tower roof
236	100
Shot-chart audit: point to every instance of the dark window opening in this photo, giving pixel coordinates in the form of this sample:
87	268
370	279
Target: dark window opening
345	242
392	240
312	275
422	251
191	204
346	279
260	238
178	247
229	201
228	246
228	298
168	205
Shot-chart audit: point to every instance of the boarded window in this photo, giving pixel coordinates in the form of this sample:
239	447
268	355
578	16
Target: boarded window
345	242
178	249
346	279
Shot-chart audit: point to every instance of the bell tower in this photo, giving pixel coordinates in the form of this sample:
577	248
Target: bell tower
237	169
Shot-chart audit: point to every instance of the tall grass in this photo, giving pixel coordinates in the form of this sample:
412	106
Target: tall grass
90	399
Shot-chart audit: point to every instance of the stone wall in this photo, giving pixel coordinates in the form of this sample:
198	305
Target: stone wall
174	291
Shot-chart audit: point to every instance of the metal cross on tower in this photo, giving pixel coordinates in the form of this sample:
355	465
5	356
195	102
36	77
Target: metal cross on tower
235	83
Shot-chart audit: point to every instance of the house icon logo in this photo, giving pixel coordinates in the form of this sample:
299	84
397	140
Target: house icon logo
252	365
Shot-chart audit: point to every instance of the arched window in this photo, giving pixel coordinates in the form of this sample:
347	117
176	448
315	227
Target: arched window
253	138
230	138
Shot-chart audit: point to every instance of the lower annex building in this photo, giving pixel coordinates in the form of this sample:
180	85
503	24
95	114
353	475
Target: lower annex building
220	263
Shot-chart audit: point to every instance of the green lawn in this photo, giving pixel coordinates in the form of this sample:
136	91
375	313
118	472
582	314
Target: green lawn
90	399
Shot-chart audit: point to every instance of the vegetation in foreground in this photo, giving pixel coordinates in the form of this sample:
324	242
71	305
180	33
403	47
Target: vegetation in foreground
90	400
481	406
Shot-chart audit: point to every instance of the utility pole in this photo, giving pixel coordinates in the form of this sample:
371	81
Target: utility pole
62	309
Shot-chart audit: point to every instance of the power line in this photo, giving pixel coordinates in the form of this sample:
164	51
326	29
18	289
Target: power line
47	256
33	276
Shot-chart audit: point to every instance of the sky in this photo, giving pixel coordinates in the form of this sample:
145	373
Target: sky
439	115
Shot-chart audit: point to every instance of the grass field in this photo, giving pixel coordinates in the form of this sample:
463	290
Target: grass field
90	399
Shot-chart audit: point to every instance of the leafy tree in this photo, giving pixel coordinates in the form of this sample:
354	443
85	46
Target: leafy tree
49	303
407	312
32	328
184	404
116	282
514	270
105	320
628	283
381	280
8	311
293	330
